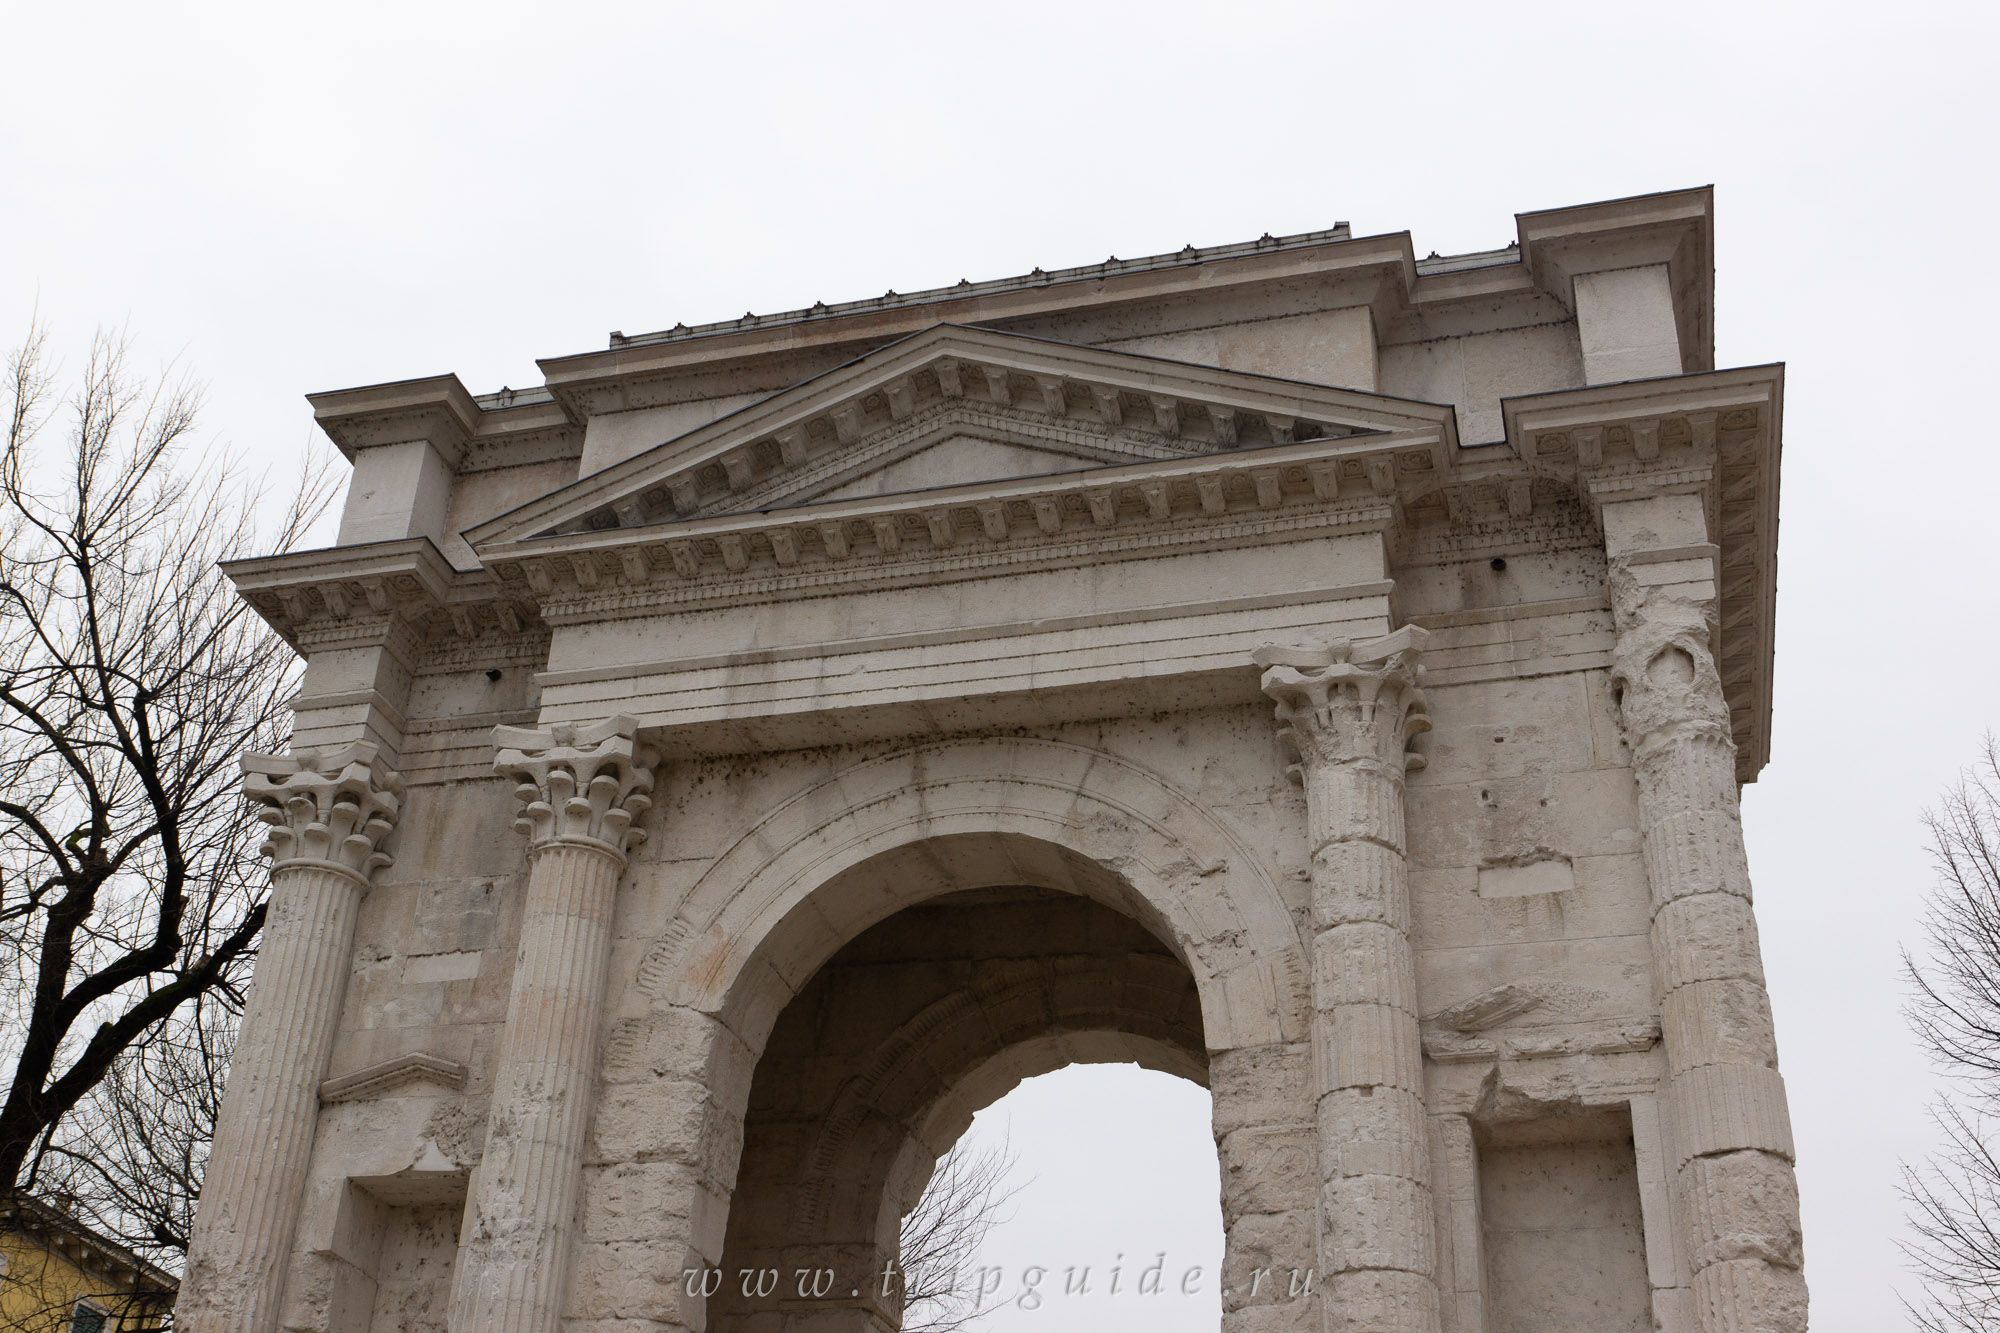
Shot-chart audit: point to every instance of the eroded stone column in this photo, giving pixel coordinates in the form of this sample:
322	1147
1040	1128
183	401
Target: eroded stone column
1725	1100
581	789
329	813
1348	711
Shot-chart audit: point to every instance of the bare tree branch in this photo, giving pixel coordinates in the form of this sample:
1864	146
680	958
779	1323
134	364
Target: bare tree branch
131	679
963	1201
1954	1196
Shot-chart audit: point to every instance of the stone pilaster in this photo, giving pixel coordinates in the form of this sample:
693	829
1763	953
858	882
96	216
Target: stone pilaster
1348	712
1724	1100
329	814
581	789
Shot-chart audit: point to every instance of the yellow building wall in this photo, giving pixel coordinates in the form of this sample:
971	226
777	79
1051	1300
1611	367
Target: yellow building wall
39	1290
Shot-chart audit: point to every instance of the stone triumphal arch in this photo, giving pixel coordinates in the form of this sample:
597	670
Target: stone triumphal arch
1315	672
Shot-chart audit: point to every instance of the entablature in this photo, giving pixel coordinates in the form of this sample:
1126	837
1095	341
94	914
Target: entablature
979	530
1430	501
402	596
493	430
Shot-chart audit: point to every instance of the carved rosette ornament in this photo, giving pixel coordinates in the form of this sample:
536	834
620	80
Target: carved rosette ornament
1348	712
581	789
329	814
1737	1195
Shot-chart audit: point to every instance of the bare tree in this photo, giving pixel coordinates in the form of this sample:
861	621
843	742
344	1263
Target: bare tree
130	1157
1954	1196
962	1202
131	679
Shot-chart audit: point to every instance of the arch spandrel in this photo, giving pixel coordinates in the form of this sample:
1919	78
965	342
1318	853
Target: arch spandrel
812	874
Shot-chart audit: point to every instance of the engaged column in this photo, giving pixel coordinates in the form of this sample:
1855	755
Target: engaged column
1348	712
1724	1096
329	813
581	789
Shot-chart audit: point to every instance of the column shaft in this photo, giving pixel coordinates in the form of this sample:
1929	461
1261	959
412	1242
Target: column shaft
581	788
1724	1098
1349	711
329	813
1378	1242
529	1176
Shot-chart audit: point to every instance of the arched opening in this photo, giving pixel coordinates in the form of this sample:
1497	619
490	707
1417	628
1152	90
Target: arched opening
1111	1218
880	1060
1033	827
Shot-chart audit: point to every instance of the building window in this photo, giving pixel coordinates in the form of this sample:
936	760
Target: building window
86	1318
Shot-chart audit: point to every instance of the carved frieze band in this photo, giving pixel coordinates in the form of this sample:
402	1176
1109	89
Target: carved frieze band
331	809
584	786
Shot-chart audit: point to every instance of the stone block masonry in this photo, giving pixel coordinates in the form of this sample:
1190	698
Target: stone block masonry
1315	672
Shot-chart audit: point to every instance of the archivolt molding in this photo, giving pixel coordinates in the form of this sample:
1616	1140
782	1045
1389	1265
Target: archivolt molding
1073	819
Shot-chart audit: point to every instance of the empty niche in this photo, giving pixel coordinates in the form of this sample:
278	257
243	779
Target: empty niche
415	1223
1565	1246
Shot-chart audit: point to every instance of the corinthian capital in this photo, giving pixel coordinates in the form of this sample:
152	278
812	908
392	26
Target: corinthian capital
1662	663
332	808
1345	700
579	785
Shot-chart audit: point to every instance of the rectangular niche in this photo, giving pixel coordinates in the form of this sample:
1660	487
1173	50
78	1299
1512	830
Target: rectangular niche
1565	1246
414	1221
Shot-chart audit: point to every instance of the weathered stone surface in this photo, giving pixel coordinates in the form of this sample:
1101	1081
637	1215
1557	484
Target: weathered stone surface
1303	669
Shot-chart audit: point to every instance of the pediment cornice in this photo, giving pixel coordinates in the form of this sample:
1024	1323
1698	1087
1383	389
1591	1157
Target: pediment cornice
1095	404
378	1080
1271	492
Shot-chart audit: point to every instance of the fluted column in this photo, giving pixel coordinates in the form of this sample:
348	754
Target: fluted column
581	789
1348	712
1738	1199
329	813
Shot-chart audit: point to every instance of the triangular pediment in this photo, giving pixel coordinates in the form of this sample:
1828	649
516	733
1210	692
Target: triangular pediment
954	406
955	458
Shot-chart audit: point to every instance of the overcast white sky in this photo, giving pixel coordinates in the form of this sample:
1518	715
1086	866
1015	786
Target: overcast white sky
296	198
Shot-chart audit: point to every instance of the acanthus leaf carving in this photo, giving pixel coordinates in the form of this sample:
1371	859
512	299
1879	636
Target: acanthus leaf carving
579	785
1345	701
335	807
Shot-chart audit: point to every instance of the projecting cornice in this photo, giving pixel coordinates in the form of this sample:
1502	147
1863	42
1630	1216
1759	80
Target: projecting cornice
1716	435
440	411
401	595
1676	229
